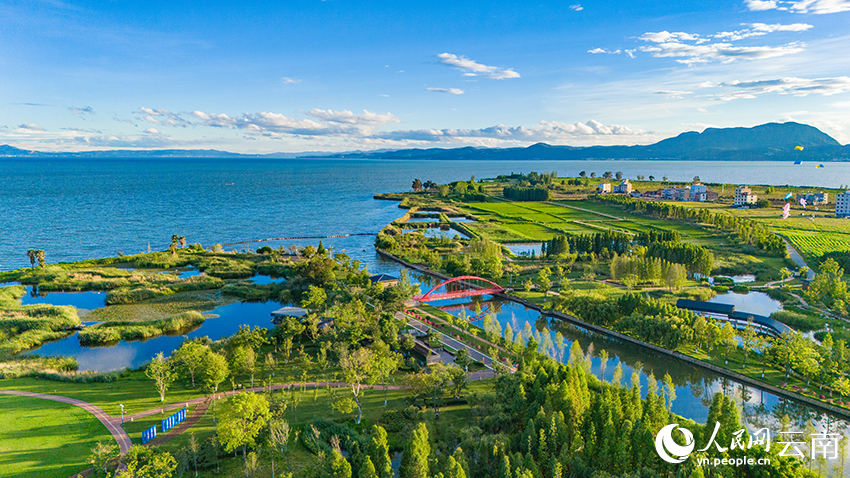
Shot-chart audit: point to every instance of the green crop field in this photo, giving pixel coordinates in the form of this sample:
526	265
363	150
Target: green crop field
45	439
813	244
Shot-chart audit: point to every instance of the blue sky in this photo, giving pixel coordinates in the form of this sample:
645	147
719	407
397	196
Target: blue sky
341	75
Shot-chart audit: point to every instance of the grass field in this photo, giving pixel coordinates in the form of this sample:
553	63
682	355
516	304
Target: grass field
45	439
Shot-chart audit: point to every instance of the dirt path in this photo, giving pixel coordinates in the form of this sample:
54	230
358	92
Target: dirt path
112	424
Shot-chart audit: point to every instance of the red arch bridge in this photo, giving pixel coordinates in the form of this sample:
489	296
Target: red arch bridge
463	286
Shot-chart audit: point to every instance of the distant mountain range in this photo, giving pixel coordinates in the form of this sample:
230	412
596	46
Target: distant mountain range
767	142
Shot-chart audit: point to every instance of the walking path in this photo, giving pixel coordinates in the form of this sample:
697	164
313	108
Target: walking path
113	424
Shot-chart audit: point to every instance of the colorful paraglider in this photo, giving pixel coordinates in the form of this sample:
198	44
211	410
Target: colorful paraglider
788	196
803	202
799	148
786	210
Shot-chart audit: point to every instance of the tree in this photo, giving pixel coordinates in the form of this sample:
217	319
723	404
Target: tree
651	178
277	439
190	357
243	417
414	461
417	185
316	298
338	466
143	462
727	338
213	370
244	360
367	470
749	340
436	382
39	255
459	378
101	454
385	362
32	254
379	452
544	282
358	368
160	371
670	390
582	174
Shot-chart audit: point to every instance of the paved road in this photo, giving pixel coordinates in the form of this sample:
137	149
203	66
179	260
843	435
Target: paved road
798	258
112	424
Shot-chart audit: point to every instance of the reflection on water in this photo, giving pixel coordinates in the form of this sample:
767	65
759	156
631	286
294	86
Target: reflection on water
80	300
424	219
262	280
695	386
137	353
757	303
526	249
438	233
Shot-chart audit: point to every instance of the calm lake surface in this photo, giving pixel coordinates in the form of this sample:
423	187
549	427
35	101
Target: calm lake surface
80	209
84	208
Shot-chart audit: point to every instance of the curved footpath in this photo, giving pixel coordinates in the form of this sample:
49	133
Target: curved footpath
112	424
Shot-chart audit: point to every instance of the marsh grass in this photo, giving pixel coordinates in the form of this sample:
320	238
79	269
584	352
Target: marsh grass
114	331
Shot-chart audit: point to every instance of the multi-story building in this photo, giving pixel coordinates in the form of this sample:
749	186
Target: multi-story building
604	188
814	199
744	196
624	187
696	188
705	196
842	204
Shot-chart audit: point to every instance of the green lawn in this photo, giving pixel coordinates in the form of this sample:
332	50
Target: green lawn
45	439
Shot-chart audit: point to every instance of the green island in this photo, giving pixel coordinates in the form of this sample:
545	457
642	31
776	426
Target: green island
359	379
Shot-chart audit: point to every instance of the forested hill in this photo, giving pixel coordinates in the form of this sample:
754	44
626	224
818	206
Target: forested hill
767	142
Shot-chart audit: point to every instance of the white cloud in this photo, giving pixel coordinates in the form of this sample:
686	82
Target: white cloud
151	131
793	86
691	48
801	6
162	117
760	29
672	94
451	91
30	128
549	131
603	50
347	117
274	125
289	81
761	5
81	111
577	7
472	68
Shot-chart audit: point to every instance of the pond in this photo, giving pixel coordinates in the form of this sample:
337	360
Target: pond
81	300
757	303
461	219
137	353
695	386
436	232
262	280
526	249
424	219
741	279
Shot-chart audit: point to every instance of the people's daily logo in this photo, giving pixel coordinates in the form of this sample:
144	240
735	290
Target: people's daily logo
669	450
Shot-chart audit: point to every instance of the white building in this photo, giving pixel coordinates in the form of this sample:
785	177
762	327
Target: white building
842	204
744	196
697	187
814	199
624	187
604	188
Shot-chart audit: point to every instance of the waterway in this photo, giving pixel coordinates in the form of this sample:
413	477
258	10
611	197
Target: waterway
695	386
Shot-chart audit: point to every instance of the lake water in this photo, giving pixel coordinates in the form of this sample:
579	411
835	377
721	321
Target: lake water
83	208
136	353
757	303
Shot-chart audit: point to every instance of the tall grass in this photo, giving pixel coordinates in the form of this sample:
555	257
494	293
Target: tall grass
115	331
